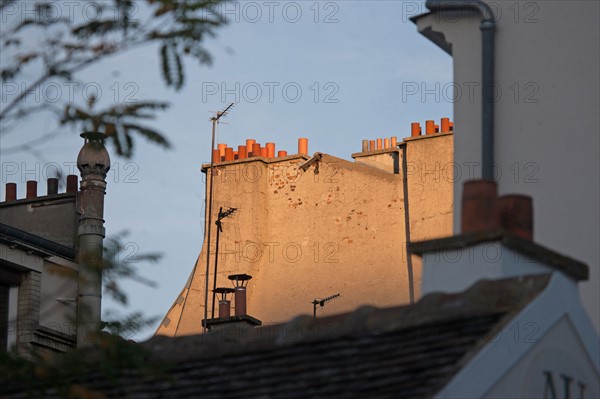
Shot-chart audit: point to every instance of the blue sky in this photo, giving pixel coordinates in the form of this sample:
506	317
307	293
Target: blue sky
349	69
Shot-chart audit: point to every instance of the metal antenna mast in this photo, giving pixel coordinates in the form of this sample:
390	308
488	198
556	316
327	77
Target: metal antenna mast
222	215
215	121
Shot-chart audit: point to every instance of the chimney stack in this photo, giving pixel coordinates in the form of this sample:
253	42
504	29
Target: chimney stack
483	210
93	163
516	215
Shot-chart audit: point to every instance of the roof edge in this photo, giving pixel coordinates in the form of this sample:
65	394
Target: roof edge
571	267
15	236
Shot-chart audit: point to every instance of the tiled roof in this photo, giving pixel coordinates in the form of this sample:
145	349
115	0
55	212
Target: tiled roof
409	351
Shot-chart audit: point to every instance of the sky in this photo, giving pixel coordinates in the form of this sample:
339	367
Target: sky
334	72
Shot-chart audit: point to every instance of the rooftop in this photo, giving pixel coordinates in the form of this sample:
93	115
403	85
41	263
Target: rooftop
412	351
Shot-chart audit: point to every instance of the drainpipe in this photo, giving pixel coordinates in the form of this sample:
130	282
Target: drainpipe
409	265
93	162
488	28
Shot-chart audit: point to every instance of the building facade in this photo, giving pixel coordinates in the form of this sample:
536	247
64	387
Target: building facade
308	227
51	258
38	271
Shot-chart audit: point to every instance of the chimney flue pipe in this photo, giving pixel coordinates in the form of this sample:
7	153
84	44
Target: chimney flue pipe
240	282
242	153
256	149
224	308
11	192
224	303
303	146
365	145
270	150
429	127
93	163
222	148
415	129
31	189
249	146
445	125
52	186
72	184
229	154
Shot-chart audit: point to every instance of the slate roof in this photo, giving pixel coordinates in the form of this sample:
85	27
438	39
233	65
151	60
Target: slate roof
408	351
14	236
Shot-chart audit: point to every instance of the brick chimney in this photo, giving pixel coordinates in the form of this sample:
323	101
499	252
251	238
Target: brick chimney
496	242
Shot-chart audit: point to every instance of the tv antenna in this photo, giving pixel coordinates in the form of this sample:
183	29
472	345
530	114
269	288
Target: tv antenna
222	215
321	302
214	121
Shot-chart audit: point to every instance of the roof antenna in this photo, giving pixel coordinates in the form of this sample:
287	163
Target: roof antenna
222	215
214	120
321	302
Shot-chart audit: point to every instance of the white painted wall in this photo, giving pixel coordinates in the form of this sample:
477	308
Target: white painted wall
454	271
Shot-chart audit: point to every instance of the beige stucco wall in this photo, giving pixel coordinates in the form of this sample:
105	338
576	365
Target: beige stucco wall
338	227
547	140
